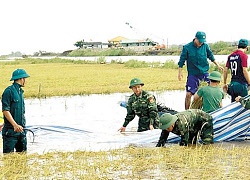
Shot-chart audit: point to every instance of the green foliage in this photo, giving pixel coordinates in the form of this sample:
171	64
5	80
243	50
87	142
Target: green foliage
222	48
101	60
136	64
101	52
142	64
170	64
79	44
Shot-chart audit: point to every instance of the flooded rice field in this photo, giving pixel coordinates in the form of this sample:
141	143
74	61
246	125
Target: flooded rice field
90	122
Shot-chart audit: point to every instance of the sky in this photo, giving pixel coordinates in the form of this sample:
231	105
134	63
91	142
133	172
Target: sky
30	26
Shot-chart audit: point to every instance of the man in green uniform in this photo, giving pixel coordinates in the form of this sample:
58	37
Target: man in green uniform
212	94
188	125
13	107
142	104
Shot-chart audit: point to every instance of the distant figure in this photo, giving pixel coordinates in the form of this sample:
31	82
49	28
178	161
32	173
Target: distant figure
13	107
189	125
196	54
237	63
212	94
143	105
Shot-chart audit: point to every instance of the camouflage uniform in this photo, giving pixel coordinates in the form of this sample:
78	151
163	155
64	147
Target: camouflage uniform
144	106
188	125
245	102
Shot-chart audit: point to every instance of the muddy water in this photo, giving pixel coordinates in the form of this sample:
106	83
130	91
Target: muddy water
89	122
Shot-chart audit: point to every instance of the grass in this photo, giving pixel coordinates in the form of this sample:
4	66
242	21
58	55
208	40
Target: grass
174	162
66	77
59	77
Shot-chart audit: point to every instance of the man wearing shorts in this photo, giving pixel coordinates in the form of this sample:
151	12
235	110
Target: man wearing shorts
237	65
196	54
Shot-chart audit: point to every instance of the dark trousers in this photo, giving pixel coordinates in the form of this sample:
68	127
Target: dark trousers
14	140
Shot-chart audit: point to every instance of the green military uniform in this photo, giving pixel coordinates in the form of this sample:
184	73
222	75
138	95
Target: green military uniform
245	102
187	125
13	101
144	106
211	95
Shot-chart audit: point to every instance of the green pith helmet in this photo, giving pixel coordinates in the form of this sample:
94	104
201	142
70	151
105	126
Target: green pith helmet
18	74
135	81
167	120
215	75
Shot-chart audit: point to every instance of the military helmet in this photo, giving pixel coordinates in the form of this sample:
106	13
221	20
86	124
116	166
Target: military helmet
215	75
18	74
167	120
135	81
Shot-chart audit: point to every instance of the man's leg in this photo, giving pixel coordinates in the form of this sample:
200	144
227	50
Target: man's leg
191	88
21	145
206	128
188	100
9	143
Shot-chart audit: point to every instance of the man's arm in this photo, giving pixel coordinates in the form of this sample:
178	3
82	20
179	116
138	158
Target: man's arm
184	139
225	86
9	117
219	67
196	96
163	138
246	74
1	127
180	75
181	63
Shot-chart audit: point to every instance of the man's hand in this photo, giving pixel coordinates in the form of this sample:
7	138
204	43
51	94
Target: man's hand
180	75
18	128
122	129
237	99
220	68
1	127
151	127
225	88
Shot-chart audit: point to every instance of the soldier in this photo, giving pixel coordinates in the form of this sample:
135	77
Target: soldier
142	104
212	94
188	125
13	107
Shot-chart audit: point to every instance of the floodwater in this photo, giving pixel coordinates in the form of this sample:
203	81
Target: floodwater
162	59
89	122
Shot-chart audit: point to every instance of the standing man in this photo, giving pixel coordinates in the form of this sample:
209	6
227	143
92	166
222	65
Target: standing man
237	63
142	104
196	54
189	125
13	107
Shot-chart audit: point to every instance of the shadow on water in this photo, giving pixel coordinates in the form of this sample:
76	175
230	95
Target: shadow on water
90	122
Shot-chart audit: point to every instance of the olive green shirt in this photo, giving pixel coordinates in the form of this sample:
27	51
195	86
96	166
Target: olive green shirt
211	98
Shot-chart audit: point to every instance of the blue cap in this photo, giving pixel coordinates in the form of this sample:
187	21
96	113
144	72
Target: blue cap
201	36
243	43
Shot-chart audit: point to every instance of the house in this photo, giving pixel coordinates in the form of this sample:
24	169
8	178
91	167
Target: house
138	45
116	41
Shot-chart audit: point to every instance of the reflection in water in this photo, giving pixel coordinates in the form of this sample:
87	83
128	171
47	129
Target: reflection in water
88	122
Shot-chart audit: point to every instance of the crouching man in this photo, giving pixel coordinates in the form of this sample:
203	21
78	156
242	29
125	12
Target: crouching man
189	125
